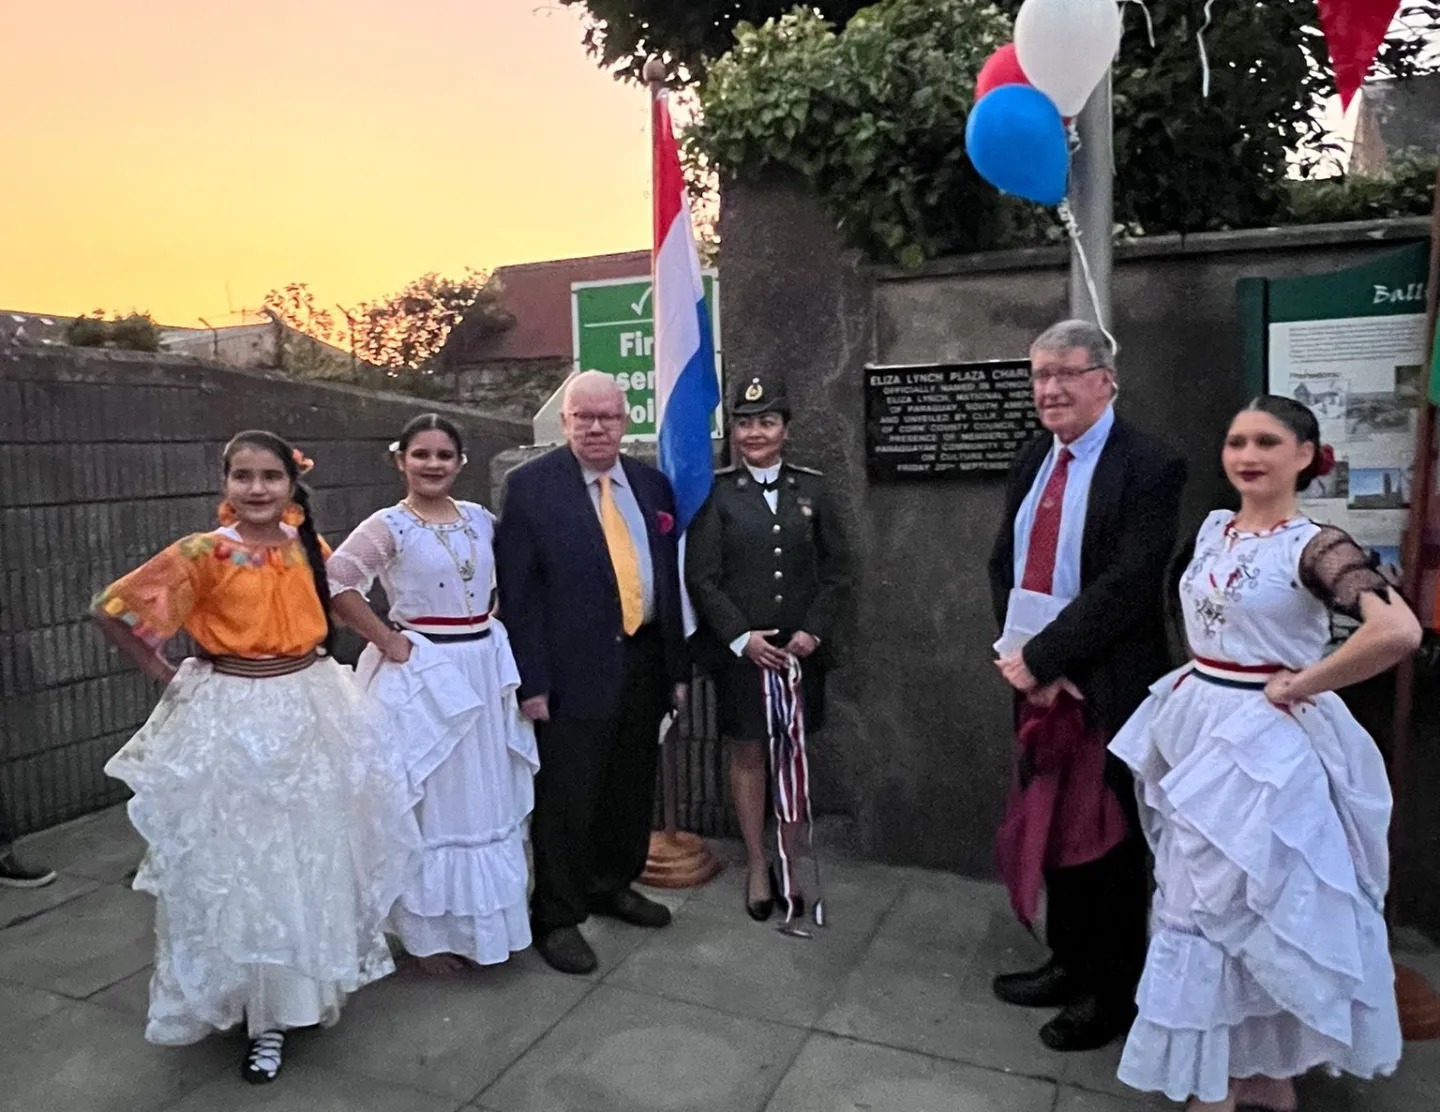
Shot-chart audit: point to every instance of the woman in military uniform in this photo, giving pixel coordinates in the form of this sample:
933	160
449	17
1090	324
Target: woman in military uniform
766	568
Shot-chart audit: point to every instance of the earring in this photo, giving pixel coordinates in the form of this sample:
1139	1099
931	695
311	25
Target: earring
293	516
226	513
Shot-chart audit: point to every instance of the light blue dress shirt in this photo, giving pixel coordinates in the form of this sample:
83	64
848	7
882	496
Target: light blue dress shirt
629	508
1085	450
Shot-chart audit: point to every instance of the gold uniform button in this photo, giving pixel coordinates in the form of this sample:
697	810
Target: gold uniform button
779	552
779	598
775	528
779	575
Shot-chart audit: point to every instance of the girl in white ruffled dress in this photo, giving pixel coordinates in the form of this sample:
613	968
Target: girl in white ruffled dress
277	824
447	681
1265	803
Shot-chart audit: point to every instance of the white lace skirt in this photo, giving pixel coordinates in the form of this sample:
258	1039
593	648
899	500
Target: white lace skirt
454	718
279	833
1268	952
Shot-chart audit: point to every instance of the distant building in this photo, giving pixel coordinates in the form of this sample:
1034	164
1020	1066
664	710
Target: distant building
513	370
1396	118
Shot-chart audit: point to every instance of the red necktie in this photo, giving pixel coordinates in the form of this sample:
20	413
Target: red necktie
1045	530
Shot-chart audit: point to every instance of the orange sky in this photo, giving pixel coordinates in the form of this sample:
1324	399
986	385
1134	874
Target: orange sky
150	159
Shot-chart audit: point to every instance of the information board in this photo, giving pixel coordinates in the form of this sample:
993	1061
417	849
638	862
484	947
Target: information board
946	420
613	328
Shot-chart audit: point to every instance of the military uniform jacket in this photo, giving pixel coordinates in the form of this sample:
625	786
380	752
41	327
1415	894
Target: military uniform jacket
747	567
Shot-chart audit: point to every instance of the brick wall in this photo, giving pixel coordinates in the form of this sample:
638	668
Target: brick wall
104	459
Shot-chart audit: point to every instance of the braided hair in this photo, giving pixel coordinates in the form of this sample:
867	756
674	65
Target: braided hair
309	538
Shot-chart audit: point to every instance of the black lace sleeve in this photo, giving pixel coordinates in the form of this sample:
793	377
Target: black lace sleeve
1338	571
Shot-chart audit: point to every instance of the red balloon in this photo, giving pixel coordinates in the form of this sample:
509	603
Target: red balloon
1001	68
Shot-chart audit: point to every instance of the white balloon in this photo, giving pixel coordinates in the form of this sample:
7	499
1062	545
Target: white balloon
1065	47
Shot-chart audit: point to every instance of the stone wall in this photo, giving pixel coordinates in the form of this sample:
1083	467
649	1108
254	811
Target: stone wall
917	756
104	459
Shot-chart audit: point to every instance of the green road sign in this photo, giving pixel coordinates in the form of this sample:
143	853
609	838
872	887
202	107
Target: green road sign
614	332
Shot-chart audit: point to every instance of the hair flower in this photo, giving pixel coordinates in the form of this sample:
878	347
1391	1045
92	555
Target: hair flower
302	461
1327	461
394	447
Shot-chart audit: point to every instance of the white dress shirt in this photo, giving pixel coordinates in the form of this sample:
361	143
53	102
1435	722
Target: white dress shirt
629	508
1085	450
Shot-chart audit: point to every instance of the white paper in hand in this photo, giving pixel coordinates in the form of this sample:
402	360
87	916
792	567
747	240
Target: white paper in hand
1026	615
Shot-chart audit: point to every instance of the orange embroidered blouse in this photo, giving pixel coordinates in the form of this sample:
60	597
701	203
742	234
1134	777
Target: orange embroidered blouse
234	599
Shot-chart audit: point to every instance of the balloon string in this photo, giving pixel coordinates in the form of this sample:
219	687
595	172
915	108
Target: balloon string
1149	25
1204	57
1072	226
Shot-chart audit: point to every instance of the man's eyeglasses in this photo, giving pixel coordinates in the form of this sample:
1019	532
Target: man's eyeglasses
609	420
1064	376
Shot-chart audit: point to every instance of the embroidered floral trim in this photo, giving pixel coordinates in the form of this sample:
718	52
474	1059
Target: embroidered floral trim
199	545
111	605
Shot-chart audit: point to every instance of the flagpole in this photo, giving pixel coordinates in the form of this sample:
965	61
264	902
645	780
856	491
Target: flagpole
677	858
1419	1005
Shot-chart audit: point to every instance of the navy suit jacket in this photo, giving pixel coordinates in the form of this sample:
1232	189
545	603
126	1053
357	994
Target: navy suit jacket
1110	641
558	596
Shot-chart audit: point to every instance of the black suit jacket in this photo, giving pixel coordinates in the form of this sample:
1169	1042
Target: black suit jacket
558	596
1110	641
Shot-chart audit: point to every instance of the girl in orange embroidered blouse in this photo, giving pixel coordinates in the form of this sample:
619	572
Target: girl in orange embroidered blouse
277	820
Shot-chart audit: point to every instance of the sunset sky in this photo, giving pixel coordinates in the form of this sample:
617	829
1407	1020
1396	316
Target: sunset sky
157	153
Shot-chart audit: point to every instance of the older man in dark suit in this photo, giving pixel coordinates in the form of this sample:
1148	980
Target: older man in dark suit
1077	577
586	562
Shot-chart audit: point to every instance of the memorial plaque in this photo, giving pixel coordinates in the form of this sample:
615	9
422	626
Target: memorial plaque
946	420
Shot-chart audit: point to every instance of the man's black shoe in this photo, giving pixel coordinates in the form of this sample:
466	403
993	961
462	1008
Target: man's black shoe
15	875
1087	1024
1050	986
629	906
566	950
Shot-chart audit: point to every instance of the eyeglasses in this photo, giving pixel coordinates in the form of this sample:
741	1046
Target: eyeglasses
609	420
1064	376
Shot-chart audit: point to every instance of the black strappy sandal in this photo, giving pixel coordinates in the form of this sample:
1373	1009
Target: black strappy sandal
263	1059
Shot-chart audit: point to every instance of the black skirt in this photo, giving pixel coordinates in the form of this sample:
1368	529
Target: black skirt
740	691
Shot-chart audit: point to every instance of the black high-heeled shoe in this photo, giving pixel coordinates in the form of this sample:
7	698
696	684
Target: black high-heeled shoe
759	910
796	902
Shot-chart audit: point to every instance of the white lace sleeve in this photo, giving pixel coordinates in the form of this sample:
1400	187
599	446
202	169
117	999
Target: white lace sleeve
365	554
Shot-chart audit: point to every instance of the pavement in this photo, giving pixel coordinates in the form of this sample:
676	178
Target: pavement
887	1009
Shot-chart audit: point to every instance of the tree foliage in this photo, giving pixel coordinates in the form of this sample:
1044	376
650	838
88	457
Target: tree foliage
134	331
872	115
400	333
622	34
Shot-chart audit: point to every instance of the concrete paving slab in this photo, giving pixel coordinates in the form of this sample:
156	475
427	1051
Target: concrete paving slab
19	904
905	996
91	943
22	1007
85	1059
624	1052
952	913
832	1074
303	1087
128	997
612	941
857	893
719	958
1079	1100
451	1036
102	847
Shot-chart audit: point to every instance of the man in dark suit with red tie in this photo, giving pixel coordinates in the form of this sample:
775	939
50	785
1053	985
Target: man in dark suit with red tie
587	568
1091	514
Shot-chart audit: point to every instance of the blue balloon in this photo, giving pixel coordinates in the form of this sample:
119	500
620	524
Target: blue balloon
1016	141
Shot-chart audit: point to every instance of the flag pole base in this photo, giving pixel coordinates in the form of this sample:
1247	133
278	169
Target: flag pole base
678	859
1418	1004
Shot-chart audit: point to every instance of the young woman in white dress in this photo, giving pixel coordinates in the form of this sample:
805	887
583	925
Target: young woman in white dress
443	670
1265	802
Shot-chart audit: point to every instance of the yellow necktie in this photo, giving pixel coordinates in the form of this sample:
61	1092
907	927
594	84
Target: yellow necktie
623	556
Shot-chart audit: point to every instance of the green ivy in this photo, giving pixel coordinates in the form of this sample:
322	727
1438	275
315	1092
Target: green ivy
872	116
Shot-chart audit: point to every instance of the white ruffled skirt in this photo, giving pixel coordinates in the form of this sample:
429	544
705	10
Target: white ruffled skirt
453	717
278	833
1268	952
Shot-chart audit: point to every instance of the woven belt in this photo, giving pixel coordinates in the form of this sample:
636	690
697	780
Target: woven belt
251	668
450	638
1224	673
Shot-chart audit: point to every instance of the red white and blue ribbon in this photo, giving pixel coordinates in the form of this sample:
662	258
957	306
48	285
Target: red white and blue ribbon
790	770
